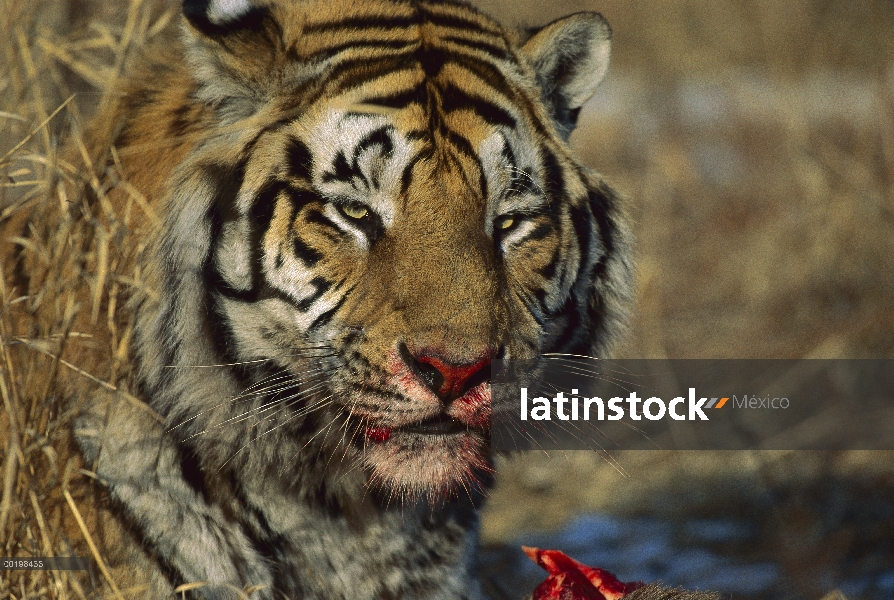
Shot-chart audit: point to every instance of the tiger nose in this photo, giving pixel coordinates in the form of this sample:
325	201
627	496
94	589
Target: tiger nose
449	380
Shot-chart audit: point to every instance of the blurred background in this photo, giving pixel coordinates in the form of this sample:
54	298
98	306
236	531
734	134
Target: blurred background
754	141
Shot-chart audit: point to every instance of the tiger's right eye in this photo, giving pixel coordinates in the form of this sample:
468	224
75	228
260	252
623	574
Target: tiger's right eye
355	211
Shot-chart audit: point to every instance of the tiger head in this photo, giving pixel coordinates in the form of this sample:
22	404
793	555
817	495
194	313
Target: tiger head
384	203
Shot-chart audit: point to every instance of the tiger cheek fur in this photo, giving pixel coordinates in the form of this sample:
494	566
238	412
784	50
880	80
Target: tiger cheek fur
362	204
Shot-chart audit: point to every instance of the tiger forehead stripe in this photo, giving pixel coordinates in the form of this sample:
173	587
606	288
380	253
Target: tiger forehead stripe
413	14
365	47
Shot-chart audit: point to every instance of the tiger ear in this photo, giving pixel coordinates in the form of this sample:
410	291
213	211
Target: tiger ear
236	47
221	18
570	57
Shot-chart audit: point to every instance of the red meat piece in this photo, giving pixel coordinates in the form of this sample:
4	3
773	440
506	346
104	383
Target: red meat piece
571	580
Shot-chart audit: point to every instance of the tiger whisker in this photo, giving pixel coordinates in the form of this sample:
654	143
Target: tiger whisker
271	384
258	360
233	364
563	354
462	482
305	444
350	441
286	381
355	464
260	435
286	404
527	176
234	419
288	378
230	401
282	404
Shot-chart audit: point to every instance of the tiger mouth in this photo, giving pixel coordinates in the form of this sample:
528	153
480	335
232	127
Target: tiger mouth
440	425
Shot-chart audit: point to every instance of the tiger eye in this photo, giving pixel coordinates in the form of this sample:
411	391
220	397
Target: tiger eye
505	222
355	211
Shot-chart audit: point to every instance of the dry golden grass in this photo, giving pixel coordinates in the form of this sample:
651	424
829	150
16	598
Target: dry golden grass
70	323
754	139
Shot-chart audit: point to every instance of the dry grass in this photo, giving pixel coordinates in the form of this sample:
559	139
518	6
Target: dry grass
756	143
69	325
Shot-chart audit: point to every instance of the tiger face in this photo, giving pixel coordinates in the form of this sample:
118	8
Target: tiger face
383	205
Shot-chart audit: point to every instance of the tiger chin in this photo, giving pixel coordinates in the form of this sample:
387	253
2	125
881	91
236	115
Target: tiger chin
354	206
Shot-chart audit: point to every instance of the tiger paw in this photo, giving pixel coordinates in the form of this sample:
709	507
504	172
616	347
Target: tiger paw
571	580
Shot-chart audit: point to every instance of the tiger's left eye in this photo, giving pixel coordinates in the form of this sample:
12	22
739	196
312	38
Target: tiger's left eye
355	211
505	222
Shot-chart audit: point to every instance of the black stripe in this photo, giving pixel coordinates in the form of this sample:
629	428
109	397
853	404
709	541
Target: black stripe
227	182
525	182
479	46
219	285
418	135
528	303
509	155
261	211
549	271
307	255
325	317
580	220
353	73
597	270
357	23
487	72
300	159
264	292
318	218
453	99
299	199
572	328
191	470
494	78
540	294
462	144
540	231
342	171
180	120
364	45
378	137
456	21
601	207
263	540
407	177
269	292
261	214
321	286
432	61
465	148
553	176
423	154
400	99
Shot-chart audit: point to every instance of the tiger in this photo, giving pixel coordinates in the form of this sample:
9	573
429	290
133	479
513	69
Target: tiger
303	232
